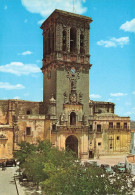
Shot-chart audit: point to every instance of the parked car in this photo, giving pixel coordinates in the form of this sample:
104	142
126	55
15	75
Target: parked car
107	168
10	163
120	167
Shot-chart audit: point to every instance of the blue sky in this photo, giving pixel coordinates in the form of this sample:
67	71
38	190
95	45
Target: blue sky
112	46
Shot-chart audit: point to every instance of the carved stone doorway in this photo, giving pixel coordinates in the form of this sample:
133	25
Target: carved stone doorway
72	144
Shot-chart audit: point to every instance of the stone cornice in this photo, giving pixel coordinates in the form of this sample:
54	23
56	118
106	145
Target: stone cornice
58	64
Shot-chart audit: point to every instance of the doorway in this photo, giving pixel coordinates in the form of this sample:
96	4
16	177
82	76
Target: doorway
72	144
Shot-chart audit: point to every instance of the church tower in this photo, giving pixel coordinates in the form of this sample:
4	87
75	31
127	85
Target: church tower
66	64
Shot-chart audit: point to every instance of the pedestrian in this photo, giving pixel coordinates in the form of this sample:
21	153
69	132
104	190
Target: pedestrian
3	166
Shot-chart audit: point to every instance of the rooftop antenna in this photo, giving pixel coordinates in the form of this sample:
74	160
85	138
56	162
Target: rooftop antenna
73	6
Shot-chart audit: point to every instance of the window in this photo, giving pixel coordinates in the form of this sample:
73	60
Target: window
118	125
118	138
98	128
81	43
48	43
28	112
53	41
64	40
53	127
90	127
28	131
111	146
99	143
72	39
110	125
125	125
72	118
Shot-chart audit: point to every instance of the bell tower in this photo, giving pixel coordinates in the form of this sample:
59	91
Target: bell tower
66	64
66	60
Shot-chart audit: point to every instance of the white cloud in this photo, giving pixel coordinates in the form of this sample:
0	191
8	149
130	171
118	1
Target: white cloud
133	92
45	8
25	53
118	94
95	96
114	42
5	7
8	86
18	68
128	26
16	98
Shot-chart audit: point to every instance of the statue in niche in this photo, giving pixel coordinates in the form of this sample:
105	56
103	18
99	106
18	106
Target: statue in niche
73	97
80	97
65	97
62	118
73	84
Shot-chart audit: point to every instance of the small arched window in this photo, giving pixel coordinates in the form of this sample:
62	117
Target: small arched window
49	43
53	41
64	40
81	43
54	127
28	112
73	118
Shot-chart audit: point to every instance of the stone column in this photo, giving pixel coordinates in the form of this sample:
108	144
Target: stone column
86	41
78	40
68	39
58	37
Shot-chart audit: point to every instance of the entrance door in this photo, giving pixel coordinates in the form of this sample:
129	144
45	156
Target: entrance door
91	154
72	144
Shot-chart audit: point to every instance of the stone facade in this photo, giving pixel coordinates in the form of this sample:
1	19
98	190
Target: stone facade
66	116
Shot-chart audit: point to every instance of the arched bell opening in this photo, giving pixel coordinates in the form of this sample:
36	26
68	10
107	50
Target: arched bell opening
64	40
72	39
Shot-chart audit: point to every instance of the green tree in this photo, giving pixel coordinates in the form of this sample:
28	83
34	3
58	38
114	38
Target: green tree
25	150
60	173
82	180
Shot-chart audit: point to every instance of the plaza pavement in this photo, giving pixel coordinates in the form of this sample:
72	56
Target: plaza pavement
10	185
7	183
110	160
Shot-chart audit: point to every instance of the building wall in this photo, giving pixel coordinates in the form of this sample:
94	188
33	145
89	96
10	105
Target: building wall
109	140
130	164
3	112
132	148
6	142
14	112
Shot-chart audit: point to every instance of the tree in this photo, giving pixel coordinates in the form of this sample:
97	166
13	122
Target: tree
83	180
60	173
25	150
